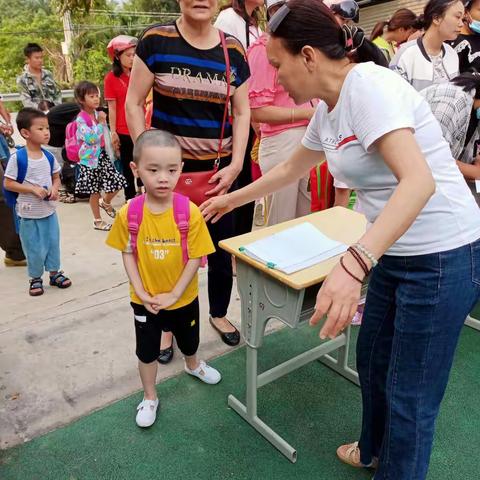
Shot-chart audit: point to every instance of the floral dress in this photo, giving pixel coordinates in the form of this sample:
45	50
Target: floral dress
96	173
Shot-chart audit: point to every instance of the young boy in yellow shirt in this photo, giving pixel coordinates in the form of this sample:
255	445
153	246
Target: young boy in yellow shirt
163	276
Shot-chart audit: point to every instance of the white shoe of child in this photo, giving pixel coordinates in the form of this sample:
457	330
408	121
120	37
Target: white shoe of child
205	373
147	412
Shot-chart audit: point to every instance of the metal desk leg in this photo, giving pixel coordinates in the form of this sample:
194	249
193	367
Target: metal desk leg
340	364
472	323
249	413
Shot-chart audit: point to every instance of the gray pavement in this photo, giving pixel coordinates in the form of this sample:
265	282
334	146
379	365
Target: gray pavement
70	352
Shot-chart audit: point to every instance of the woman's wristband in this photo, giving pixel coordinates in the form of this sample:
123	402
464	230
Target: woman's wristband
366	254
349	272
359	260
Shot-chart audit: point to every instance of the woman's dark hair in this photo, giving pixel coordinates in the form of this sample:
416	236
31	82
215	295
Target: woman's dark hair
239	8
117	68
468	81
82	89
304	21
403	18
436	9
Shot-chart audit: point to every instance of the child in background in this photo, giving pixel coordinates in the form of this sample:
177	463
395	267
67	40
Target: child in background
35	204
163	288
96	172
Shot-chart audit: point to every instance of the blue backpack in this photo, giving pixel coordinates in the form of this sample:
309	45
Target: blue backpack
22	165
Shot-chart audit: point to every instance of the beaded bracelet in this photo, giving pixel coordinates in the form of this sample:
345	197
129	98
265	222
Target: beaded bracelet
367	254
349	272
359	260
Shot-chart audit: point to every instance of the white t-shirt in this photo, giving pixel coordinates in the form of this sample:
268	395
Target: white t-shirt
229	21
375	101
38	173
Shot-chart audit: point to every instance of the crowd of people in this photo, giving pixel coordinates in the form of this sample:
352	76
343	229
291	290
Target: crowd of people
198	108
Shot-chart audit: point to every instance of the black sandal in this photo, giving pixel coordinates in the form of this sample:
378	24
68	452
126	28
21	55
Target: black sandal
36	287
60	280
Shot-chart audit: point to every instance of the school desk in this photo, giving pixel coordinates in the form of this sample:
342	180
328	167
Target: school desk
268	294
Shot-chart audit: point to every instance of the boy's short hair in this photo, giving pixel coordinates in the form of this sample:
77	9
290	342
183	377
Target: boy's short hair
84	88
26	116
154	138
32	48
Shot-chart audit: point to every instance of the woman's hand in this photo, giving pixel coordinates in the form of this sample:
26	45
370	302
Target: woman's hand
216	208
225	178
338	299
115	143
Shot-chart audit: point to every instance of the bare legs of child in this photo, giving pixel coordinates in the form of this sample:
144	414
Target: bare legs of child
96	203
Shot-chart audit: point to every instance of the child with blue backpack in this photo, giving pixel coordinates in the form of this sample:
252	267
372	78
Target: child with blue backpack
163	239
31	183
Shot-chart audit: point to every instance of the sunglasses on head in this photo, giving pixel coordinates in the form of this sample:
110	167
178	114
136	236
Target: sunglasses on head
278	17
348	10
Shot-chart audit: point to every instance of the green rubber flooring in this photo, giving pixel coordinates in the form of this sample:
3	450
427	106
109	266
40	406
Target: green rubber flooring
197	436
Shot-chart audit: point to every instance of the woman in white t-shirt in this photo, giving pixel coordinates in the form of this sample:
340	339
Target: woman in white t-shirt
380	137
429	59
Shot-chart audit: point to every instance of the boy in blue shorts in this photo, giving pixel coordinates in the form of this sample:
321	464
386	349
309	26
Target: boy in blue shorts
32	180
162	264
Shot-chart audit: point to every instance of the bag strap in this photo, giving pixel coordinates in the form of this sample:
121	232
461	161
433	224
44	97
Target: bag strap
227	99
22	164
181	213
86	117
134	219
50	158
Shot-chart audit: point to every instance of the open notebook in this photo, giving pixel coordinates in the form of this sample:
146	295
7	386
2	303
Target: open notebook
294	249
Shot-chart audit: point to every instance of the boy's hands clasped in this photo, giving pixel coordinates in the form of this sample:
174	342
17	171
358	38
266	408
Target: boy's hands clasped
157	302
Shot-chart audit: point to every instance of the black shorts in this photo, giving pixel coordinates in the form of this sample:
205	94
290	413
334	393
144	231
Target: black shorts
182	322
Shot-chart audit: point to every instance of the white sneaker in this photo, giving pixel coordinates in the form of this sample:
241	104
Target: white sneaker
147	412
205	373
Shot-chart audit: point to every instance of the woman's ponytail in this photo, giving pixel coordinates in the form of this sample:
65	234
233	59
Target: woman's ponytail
300	25
378	30
361	48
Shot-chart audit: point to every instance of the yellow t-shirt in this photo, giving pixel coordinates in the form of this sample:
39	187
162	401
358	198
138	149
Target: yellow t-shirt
387	48
160	259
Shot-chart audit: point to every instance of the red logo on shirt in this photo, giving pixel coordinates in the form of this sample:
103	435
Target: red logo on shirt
352	138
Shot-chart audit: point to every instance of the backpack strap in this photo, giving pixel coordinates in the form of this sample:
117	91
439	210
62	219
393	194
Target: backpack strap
181	213
22	164
134	219
50	158
86	118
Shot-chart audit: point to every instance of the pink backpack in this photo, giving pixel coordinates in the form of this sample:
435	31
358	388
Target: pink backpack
72	145
181	213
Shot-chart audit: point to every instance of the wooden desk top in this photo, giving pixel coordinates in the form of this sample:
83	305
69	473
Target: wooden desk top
337	223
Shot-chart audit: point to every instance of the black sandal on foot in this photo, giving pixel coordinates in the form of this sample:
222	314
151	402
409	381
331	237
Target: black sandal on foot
230	338
36	287
166	355
60	280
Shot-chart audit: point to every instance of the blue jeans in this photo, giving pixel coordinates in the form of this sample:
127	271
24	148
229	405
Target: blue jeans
41	243
414	313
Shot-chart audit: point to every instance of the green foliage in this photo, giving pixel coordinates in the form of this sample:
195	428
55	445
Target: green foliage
45	28
40	21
